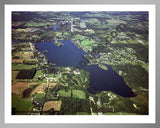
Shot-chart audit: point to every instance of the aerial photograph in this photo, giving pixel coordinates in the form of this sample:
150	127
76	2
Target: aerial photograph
80	63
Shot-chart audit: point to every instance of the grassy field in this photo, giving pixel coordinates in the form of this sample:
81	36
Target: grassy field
21	105
34	24
14	75
76	93
86	42
79	37
64	93
93	21
38	73
146	67
23	66
38	96
79	94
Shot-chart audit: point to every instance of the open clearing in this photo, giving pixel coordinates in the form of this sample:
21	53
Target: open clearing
21	105
52	104
33	60
76	93
23	66
25	55
37	74
64	93
79	94
40	89
17	60
52	85
19	87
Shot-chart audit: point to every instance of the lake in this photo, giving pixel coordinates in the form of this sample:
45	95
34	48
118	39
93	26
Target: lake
100	80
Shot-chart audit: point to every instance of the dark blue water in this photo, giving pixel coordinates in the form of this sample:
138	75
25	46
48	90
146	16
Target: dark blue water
66	55
70	55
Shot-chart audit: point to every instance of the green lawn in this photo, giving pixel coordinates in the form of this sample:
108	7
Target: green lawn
104	67
39	96
21	105
38	73
94	21
79	37
146	67
76	93
79	94
58	34
64	93
31	24
23	66
86	42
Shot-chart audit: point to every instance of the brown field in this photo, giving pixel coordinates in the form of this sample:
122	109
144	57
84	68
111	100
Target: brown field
25	55
19	87
52	104
63	84
40	89
17	60
27	30
52	85
14	75
31	59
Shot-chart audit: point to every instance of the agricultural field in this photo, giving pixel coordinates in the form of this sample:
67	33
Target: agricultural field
40	89
79	94
19	87
26	74
20	106
64	93
14	75
25	55
56	105
17	61
52	85
23	66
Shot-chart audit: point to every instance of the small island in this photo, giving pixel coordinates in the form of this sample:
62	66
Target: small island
45	51
58	43
104	67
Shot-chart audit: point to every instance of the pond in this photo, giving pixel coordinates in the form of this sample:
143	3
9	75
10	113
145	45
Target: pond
100	80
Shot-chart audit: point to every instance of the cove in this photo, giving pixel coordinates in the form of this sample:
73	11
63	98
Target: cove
100	80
